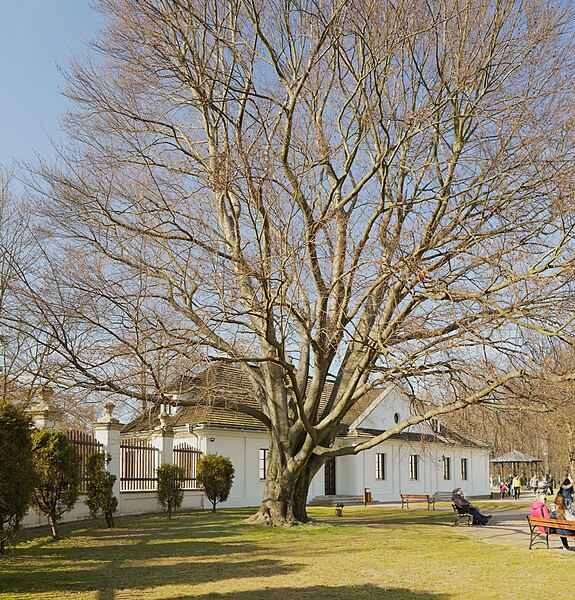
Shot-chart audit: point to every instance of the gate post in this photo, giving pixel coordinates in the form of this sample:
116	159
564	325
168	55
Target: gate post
163	440
107	432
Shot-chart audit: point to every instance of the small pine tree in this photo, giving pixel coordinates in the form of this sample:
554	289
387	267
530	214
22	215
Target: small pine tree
100	485
57	466
215	474
170	494
16	470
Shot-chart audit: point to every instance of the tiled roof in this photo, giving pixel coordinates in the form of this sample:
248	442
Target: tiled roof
221	388
217	393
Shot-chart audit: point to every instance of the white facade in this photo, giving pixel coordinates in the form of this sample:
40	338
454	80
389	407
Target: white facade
353	474
387	470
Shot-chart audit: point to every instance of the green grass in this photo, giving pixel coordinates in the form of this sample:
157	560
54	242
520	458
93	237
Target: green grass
371	553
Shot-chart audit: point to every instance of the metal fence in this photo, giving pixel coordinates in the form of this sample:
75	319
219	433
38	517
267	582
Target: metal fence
138	464
187	456
86	445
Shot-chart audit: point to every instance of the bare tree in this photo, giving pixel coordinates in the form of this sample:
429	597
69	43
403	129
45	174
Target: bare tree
372	190
20	356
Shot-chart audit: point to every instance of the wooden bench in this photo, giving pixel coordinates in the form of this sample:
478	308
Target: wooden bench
443	496
461	517
550	525
407	498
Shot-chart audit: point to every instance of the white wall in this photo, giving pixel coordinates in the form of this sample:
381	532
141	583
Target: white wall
242	448
129	503
381	414
354	473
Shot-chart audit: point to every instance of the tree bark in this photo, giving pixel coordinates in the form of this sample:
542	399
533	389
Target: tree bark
285	498
54	526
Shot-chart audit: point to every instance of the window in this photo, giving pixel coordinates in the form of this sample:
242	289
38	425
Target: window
413	465
396	418
464	469
446	467
263	463
380	465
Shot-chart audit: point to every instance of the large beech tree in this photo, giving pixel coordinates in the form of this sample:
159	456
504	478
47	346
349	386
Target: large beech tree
364	189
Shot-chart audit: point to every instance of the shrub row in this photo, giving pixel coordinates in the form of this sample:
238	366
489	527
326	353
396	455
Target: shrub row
41	468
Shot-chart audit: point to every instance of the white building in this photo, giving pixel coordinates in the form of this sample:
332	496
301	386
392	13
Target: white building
423	459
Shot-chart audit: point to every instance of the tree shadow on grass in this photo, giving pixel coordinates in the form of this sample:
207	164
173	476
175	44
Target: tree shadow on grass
441	519
320	592
142	554
106	577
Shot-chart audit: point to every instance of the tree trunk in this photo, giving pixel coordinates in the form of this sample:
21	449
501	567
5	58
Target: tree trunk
54	525
285	499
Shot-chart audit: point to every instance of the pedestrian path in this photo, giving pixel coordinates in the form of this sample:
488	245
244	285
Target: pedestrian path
509	527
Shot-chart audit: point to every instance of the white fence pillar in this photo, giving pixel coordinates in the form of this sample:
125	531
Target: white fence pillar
43	414
163	440
107	432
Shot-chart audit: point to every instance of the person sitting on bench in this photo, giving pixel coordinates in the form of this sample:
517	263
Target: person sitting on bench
465	507
561	512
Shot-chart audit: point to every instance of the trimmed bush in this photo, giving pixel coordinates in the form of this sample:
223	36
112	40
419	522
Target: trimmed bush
170	494
100	485
215	474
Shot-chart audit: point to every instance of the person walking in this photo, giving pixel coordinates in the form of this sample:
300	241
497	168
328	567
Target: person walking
566	490
516	486
502	490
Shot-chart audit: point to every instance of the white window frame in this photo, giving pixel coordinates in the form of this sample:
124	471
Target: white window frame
380	466
263	463
414	467
464	469
446	468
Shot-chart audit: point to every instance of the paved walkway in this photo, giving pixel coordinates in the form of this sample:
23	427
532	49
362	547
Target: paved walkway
508	526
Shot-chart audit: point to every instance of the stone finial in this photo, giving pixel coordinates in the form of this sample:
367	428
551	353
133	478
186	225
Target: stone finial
163	417
45	393
108	410
44	415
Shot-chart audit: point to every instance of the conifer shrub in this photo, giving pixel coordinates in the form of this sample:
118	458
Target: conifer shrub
170	493
215	474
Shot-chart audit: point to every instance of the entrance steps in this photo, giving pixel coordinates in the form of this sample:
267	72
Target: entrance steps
333	500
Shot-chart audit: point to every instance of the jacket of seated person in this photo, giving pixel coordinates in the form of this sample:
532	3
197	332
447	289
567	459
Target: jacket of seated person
553	515
462	504
562	513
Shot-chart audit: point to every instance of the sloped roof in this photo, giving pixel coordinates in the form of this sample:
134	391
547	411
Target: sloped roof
218	391
221	388
515	456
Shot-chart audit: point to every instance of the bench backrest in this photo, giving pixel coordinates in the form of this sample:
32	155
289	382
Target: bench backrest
553	523
442	496
422	496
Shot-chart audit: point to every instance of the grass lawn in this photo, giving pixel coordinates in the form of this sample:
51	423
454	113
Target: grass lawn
370	553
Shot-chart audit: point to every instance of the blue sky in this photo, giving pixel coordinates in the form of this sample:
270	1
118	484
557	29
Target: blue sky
37	39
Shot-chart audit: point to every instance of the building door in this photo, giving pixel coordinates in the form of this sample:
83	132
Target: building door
329	470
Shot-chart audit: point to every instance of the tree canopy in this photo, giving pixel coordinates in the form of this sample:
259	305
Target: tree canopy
374	191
